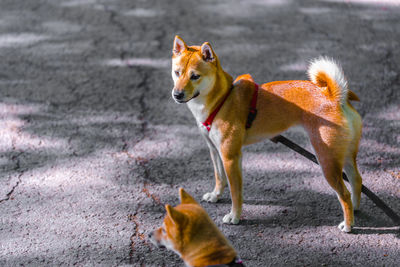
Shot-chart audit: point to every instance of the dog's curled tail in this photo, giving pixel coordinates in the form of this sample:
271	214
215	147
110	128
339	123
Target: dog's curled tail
325	72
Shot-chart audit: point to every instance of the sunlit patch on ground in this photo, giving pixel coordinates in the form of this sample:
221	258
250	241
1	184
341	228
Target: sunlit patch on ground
315	10
390	113
61	27
230	29
102	119
62	175
21	39
278	161
13	82
296	66
243	8
171	141
243	48
65	48
377	147
13	138
77	3
143	13
144	62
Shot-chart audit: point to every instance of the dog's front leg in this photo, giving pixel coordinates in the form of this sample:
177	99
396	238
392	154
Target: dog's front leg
233	169
220	176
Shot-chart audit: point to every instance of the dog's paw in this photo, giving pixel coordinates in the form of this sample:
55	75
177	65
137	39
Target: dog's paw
356	207
210	197
230	219
344	228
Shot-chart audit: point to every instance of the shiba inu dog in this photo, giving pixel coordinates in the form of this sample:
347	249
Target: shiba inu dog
224	110
188	231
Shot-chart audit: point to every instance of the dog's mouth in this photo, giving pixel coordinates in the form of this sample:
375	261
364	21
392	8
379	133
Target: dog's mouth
185	101
156	243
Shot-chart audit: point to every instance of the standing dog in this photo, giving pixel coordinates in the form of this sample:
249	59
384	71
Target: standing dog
221	108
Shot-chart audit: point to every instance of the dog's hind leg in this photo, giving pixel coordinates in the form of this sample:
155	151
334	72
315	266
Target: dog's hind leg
330	148
332	170
351	170
350	165
333	175
220	176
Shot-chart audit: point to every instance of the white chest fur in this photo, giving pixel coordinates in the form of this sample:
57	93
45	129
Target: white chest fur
198	109
200	113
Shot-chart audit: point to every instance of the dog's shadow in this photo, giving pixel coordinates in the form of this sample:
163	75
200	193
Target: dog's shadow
366	229
378	230
298	215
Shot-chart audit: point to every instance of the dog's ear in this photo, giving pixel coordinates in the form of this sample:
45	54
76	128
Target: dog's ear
207	52
186	198
176	216
179	45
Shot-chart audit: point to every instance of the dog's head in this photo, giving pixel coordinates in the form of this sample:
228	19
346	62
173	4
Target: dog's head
194	70
188	231
178	227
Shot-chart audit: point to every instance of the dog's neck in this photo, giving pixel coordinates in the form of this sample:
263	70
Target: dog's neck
213	252
203	105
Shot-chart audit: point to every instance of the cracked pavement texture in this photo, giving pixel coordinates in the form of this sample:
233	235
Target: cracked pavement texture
93	146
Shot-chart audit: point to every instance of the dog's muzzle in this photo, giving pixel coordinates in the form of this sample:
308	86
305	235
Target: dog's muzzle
155	242
180	97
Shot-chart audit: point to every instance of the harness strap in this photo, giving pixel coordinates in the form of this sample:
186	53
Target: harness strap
250	118
207	123
253	108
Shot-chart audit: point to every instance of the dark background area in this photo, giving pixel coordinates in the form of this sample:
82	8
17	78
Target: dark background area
92	146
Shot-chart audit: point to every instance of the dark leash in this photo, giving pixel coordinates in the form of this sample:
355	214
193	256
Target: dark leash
378	202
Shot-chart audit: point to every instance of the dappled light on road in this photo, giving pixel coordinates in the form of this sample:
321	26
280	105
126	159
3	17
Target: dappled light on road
92	146
141	62
145	13
20	39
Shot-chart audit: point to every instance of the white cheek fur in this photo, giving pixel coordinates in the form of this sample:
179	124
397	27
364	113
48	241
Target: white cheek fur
169	245
205	85
174	76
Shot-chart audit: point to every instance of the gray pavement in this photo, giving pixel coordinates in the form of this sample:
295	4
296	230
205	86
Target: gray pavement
92	145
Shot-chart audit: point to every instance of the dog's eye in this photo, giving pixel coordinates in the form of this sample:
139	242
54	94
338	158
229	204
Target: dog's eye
177	73
163	230
194	77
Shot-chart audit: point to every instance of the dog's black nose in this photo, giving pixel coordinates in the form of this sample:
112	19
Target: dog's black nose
179	95
150	235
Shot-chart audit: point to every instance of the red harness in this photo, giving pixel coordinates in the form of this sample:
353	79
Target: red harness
250	118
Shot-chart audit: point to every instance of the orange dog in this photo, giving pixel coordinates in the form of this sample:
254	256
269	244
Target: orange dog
321	106
188	231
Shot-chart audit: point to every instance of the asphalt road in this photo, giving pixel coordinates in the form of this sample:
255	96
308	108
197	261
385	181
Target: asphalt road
92	145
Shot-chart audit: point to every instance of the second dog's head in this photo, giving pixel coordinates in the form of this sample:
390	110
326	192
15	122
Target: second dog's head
188	231
194	70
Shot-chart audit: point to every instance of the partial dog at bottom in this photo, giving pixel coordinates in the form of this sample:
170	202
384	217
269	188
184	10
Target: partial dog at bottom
189	231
